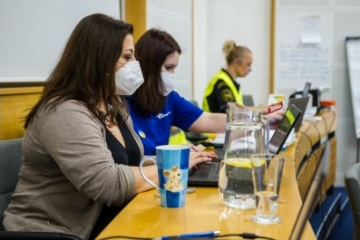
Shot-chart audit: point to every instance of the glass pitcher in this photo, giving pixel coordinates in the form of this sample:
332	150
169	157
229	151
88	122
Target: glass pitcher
242	114
242	139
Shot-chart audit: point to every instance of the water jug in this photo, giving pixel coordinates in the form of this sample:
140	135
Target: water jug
242	139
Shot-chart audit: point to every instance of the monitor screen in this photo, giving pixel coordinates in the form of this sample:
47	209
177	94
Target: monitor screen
306	90
284	128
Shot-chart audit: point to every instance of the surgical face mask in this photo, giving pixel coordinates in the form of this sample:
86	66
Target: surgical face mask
128	78
168	79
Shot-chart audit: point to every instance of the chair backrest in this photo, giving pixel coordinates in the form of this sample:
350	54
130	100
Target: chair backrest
352	184
10	162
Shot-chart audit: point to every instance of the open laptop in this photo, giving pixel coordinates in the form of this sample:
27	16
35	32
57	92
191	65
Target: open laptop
306	89
301	103
286	125
207	174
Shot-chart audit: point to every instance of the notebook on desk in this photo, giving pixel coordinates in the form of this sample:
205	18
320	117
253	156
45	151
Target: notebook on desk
207	174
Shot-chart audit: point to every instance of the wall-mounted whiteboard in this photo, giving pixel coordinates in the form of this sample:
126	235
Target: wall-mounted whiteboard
303	49
353	60
34	32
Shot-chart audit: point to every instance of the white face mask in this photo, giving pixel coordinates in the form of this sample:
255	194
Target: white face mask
128	78
168	79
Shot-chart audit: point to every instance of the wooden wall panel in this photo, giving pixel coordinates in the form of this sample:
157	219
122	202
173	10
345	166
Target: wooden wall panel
15	103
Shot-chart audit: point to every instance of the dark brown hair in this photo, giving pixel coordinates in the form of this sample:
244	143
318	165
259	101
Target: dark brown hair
86	69
151	51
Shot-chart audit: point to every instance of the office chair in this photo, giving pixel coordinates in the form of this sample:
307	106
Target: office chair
352	184
248	100
10	162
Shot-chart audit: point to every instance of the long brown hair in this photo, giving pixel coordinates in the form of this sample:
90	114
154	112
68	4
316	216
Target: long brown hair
86	69
151	51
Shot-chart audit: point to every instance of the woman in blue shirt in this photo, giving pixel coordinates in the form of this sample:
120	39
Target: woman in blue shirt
155	106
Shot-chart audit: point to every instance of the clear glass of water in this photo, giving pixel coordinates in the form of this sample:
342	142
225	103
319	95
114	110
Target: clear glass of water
267	173
242	139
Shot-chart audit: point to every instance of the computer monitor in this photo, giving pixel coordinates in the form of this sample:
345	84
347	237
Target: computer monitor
306	89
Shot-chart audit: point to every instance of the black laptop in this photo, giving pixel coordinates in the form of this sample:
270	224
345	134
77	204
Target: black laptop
207	174
301	103
306	89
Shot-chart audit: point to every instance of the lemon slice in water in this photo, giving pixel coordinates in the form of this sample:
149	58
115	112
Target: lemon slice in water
239	162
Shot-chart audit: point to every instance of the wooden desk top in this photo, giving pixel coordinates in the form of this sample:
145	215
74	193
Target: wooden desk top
205	211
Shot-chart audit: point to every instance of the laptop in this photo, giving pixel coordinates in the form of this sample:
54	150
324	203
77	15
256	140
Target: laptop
306	89
286	125
207	174
301	103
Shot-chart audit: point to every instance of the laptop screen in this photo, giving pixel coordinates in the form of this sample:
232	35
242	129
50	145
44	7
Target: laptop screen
300	103
306	90
284	128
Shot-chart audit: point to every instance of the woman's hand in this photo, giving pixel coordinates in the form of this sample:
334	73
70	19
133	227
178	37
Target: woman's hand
198	156
274	118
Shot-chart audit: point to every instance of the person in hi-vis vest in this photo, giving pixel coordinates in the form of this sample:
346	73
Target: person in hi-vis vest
223	87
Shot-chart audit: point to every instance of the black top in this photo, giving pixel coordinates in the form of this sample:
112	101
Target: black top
221	95
127	156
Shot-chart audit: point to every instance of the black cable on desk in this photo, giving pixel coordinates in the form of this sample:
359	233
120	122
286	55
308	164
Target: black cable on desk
244	236
241	235
124	237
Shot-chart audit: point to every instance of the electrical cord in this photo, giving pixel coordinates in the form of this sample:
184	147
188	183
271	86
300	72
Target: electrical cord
242	235
124	237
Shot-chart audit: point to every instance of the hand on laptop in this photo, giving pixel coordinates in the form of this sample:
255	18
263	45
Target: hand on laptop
274	118
198	156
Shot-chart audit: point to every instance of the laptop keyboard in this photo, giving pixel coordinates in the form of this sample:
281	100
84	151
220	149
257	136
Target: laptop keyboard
214	172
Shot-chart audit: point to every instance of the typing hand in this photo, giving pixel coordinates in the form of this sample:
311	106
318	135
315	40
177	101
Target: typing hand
199	157
274	118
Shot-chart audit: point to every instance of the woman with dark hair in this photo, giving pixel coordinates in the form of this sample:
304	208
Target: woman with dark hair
155	107
80	152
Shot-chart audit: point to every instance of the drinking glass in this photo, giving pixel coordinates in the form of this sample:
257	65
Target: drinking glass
242	139
267	173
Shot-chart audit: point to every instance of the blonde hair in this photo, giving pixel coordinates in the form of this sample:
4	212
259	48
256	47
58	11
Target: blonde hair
232	51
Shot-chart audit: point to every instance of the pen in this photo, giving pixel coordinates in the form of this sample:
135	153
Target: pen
191	235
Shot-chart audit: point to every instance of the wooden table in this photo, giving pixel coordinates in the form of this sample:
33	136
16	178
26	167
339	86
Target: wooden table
205	211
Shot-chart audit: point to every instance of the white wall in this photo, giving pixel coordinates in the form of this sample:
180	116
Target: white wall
247	22
34	32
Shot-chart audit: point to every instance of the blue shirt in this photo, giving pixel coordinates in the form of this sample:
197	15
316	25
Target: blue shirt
155	131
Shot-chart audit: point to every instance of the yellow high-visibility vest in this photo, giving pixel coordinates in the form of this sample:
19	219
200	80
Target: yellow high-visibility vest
178	137
221	75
